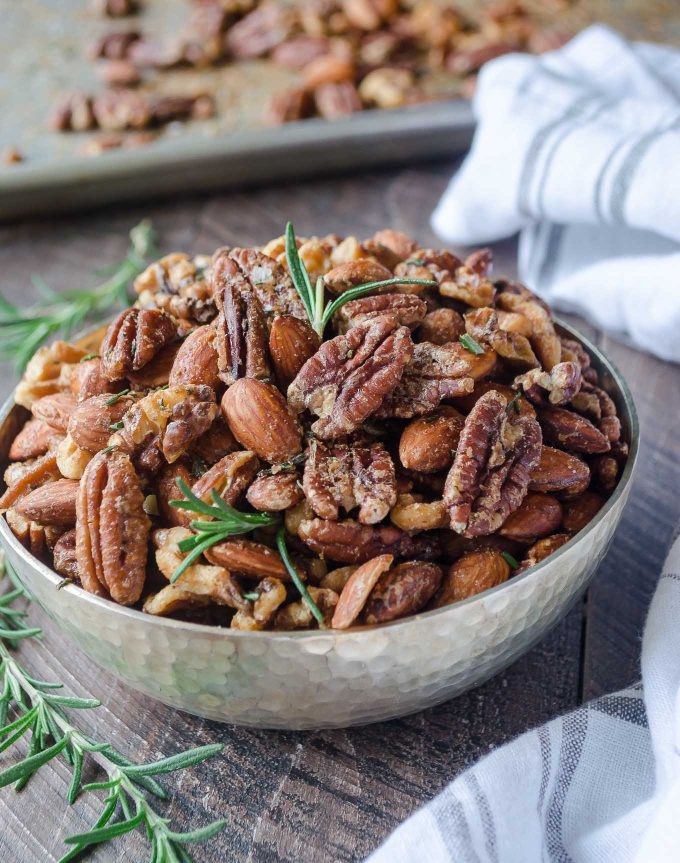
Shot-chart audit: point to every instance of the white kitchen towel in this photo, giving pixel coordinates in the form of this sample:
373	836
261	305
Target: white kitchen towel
599	785
579	150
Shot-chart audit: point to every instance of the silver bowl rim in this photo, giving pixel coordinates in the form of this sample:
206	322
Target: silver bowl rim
8	539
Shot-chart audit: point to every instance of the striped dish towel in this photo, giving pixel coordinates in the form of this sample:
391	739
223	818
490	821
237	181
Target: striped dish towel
579	150
599	785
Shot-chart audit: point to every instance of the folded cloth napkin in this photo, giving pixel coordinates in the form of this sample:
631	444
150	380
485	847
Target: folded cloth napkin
599	785
579	150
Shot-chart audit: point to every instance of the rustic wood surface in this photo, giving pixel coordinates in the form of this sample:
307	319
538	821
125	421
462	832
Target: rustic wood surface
334	795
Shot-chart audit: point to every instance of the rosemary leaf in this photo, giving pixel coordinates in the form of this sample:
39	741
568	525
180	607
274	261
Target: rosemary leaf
360	290
117	397
175	762
30	765
103	834
471	344
510	560
200	835
298	273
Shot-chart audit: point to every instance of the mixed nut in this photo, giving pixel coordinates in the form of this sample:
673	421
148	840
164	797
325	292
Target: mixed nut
242	451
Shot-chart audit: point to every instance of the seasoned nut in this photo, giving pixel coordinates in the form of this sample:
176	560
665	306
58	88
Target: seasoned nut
490	474
348	476
275	493
472	574
155	373
87	380
556	387
357	589
605	470
229	478
291	343
298	52
71	459
429	444
297	615
240	328
35	439
48	371
480	261
259	418
397	242
337	578
55	410
248	558
327	69
467	286
214	443
167	490
271	596
387	87
269	281
133	339
435	372
441	326
519	403
542	549
513	322
51	504
579	511
571	431
73	113
65	560
354	273
172	599
350	542
409	311
413	515
118	109
91	421
349	376
404	590
196	360
482	324
595	403
35	537
334	101
294	517
287	107
259	31
112	528
559	472
538	515
42	470
544	340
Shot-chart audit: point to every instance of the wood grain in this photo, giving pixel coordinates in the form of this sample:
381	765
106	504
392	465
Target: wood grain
333	795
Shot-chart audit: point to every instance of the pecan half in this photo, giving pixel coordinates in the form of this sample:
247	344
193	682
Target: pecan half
112	528
490	474
408	310
435	372
347	476
268	279
404	590
571	431
348	378
196	360
350	542
336	100
556	387
240	328
133	339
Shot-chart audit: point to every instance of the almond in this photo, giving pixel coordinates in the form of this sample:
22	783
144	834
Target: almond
428	444
327	69
357	590
51	504
246	557
571	431
90	424
560	472
578	512
196	360
354	273
472	574
55	410
259	418
35	439
275	493
537	516
291	343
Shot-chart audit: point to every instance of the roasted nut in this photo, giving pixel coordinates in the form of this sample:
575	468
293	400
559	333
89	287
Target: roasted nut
269	281
579	511
597	404
112	528
357	589
41	471
298	52
51	504
334	101
246	557
172	599
435	372
287	107
354	273
214	443
429	444
35	439
71	459
349	377
65	560
348	476
133	339
229	478
118	109
91	422
87	380
404	590
271	596
542	549
472	574
259	31
559	472
537	516
400	244
387	87
605	470
327	69
408	311
482	324
240	328
496	454
275	493
196	360
513	322
571	431
413	515
55	410
441	326
73	113
291	343
556	387
259	418
297	615
167	490
155	373
467	286
336	579
350	542
48	371
480	261
544	339
519	404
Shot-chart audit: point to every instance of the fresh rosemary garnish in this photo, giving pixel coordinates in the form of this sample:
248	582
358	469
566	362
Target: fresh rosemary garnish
251	596
116	426
510	560
313	299
297	581
418	262
285	467
24	330
514	404
470	344
117	397
224	521
37	709
89	357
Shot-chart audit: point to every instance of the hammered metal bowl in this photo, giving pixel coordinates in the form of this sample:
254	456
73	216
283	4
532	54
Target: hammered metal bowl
298	680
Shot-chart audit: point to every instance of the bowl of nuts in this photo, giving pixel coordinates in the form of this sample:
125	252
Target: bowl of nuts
322	482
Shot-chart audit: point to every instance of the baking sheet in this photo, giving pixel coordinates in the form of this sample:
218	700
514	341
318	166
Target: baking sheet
43	47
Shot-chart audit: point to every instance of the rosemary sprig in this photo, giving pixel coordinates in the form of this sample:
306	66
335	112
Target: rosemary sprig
224	521
318	311
510	560
24	330
471	344
38	709
297	581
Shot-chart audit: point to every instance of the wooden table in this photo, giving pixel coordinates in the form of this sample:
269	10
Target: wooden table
334	795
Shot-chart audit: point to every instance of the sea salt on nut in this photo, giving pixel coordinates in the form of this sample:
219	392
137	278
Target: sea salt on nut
557	387
196	360
275	493
350	542
571	431
581	510
404	590
414	515
133	339
441	326
471	574
560	473
428	444
537	516
229	477
408	310
35	439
